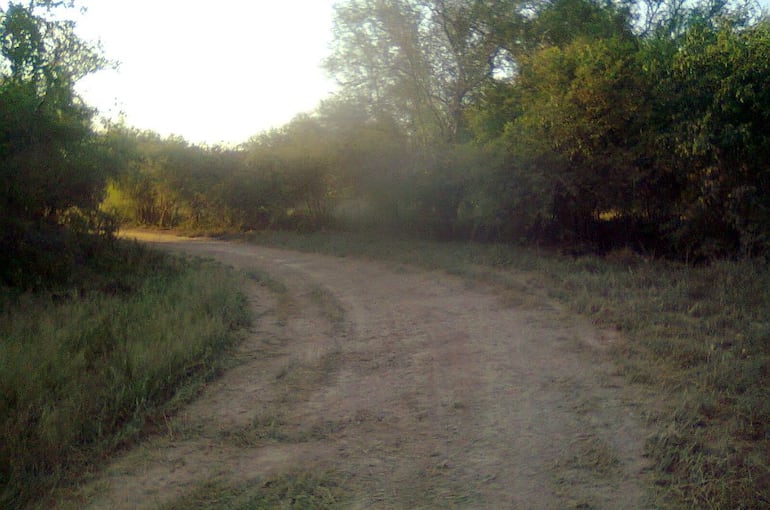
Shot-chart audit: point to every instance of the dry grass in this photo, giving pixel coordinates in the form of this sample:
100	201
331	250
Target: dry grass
698	336
296	490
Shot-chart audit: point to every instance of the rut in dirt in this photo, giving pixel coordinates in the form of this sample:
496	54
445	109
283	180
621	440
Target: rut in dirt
409	388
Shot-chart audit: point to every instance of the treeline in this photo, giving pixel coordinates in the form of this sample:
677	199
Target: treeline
588	124
582	123
281	180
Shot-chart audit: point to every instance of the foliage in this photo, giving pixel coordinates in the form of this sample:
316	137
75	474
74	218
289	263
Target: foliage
570	122
580	142
585	123
719	134
86	368
282	179
591	126
53	170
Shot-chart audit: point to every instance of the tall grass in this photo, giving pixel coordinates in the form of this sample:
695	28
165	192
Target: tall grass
84	370
699	337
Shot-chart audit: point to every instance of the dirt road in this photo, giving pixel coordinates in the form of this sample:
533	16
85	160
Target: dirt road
409	389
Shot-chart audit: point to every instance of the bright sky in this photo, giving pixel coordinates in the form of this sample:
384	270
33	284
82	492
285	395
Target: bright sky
210	71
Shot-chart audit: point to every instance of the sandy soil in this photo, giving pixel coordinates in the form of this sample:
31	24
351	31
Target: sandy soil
415	389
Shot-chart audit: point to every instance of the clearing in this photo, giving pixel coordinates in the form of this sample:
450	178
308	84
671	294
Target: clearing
381	386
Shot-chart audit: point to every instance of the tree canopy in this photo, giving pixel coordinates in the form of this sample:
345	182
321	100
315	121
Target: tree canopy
611	122
52	167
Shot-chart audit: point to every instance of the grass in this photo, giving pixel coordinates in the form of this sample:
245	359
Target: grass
698	336
296	491
328	305
86	370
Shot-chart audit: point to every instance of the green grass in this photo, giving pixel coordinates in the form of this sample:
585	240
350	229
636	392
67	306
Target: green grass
86	370
699	337
295	491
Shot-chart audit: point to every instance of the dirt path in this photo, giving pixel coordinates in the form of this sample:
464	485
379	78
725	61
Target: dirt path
413	389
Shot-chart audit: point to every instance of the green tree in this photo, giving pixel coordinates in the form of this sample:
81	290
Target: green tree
418	62
51	165
720	137
298	165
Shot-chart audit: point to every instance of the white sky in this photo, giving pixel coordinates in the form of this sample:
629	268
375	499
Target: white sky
214	71
210	71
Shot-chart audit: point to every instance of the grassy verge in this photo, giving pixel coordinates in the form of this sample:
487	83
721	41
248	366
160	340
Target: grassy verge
299	491
699	336
86	369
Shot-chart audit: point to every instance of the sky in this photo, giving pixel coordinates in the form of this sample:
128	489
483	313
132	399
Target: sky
213	72
210	71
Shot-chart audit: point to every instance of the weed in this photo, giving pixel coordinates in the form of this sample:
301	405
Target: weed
591	454
266	279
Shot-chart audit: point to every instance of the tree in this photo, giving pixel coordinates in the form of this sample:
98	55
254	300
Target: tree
50	162
297	164
418	62
719	135
560	22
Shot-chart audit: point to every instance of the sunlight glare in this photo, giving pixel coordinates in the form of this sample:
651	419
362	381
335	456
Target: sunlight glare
210	72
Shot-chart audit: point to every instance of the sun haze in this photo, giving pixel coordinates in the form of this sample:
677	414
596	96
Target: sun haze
212	72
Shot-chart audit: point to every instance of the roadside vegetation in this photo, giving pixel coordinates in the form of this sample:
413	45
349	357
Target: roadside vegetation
586	124
99	339
630	135
87	370
699	337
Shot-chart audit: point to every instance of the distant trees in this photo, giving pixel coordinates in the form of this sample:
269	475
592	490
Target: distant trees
418	62
571	121
282	179
575	122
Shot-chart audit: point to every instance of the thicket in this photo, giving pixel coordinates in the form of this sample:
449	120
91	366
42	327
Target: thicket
53	168
279	180
582	123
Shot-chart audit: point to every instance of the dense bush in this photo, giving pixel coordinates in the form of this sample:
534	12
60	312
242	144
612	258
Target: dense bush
618	127
276	180
52	168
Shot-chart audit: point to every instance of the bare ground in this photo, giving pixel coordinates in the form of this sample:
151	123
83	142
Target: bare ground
413	389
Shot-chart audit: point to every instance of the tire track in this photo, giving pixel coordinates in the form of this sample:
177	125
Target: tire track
414	389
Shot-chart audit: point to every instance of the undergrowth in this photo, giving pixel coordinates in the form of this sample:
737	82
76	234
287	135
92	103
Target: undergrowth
699	336
86	368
